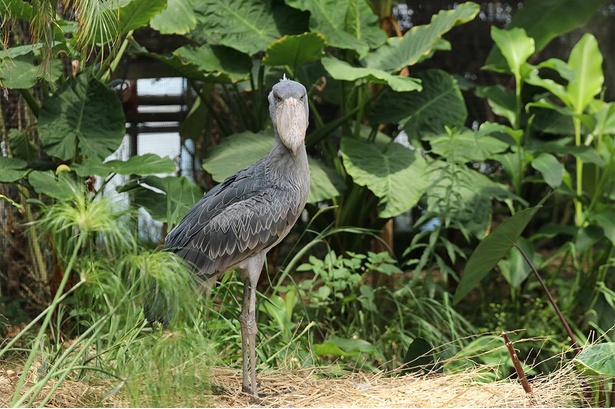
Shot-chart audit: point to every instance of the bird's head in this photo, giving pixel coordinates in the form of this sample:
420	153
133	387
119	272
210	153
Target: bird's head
288	106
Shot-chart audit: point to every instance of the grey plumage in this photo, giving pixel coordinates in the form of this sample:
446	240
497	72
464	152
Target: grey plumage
239	220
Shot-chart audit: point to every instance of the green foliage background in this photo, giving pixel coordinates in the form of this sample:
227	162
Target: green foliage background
398	128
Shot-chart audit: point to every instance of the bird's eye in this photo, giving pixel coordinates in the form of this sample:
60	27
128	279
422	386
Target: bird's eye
277	97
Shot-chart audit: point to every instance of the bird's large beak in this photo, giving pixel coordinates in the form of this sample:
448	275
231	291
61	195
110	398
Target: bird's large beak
291	123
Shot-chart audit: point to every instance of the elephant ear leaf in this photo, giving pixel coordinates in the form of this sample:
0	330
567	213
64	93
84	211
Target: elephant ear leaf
166	199
12	169
295	50
396	175
84	117
146	164
60	187
598	360
177	18
247	26
243	149
492	249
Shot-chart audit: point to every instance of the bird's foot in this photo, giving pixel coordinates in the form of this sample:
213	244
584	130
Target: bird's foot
276	393
254	395
257	396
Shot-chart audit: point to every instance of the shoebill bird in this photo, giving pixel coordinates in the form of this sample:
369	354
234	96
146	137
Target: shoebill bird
238	221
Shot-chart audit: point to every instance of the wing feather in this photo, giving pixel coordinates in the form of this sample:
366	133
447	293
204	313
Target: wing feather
242	216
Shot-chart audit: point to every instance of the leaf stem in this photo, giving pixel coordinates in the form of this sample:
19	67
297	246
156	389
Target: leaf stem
116	61
30	101
359	117
516	126
575	345
578	205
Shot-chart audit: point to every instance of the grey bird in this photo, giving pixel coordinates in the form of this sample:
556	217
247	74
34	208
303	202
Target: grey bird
238	221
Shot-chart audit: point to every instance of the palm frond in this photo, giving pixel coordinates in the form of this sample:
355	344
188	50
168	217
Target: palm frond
98	24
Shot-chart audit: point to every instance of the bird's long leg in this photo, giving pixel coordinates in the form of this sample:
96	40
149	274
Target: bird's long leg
250	274
243	319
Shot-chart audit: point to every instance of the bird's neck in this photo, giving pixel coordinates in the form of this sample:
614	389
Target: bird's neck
280	151
288	165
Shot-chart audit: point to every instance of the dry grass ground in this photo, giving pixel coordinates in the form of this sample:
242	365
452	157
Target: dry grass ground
314	388
307	389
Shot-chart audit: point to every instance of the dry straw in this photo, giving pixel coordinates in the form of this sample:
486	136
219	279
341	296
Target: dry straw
316	388
309	388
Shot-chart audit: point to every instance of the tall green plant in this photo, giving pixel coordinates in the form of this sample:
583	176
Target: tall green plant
75	121
571	98
99	304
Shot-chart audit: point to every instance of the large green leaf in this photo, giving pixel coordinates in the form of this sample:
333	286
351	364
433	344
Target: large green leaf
421	40
397	175
552	170
243	149
553	87
236	152
138	13
295	50
137	165
516	47
214	63
350	347
248	26
12	169
60	187
171	200
341	70
586	153
18	73
514	268
332	17
605	117
84	113
17	9
586	62
504	132
13	52
177	18
21	71
604	216
492	249
440	103
501	101
196	120
547	121
466	146
22	145
419	357
364	24
544	20
598	359
325	183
